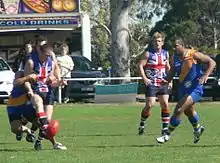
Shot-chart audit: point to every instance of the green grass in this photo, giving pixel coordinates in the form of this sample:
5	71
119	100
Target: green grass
108	134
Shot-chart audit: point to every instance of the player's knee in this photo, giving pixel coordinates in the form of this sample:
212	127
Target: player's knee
189	112
37	101
178	111
16	127
149	105
164	105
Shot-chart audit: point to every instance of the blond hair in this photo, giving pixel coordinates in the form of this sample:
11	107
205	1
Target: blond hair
157	35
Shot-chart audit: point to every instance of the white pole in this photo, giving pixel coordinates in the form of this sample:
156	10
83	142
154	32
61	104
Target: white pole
86	36
59	95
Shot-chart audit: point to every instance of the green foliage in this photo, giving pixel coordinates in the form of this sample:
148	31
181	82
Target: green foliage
99	13
192	20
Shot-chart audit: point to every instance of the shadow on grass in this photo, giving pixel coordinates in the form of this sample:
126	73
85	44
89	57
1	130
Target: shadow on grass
121	146
201	146
124	134
153	146
4	143
15	150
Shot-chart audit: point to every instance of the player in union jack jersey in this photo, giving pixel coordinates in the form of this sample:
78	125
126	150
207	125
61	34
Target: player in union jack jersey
153	68
42	97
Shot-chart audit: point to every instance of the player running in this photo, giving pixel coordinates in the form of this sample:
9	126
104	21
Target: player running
187	63
153	68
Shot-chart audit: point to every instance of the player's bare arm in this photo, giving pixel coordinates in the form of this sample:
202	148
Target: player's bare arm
28	71
142	63
201	58
170	74
57	73
52	79
28	78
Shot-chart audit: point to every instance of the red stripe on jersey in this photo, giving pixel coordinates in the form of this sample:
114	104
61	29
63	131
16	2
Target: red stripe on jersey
159	67
43	72
159	60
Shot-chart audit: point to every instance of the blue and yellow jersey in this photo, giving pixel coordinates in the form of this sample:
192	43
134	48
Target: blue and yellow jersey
188	71
18	96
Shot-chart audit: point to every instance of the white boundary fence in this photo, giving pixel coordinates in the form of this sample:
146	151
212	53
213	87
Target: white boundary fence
104	79
95	79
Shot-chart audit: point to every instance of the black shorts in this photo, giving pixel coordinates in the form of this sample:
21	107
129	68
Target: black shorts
17	112
154	91
48	97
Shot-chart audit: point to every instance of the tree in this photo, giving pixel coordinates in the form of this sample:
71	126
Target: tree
120	51
196	21
210	21
100	34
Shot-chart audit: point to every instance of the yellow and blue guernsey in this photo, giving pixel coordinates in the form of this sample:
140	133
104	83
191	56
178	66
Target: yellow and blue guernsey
17	105
189	71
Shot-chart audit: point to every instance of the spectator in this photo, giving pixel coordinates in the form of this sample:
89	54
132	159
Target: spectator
22	56
66	65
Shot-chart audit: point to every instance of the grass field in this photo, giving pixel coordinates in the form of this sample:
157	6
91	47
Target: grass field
108	134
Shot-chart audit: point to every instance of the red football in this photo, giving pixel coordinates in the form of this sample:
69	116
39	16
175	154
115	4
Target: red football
53	128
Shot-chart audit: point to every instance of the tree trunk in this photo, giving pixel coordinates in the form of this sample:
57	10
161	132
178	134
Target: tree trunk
120	52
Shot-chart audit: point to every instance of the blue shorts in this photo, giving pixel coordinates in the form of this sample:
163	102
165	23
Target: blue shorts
154	91
196	94
48	97
17	112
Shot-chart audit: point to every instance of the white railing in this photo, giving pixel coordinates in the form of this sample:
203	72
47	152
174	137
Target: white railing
104	79
95	79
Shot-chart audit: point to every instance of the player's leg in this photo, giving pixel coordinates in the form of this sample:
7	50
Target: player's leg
15	116
37	102
30	115
18	129
49	111
185	103
150	102
193	118
163	99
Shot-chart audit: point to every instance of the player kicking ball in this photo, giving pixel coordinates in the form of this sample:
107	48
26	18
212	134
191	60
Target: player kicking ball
187	63
42	96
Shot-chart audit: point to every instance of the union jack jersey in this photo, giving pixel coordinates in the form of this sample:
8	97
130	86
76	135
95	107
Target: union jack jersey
155	68
43	70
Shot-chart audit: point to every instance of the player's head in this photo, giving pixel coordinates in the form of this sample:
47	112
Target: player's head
40	40
179	46
46	51
158	40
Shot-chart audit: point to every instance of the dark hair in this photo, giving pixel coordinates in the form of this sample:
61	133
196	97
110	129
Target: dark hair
40	39
28	42
45	47
180	41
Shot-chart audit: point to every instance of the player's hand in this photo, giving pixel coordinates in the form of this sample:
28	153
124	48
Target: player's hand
203	79
33	77
147	81
170	86
164	82
64	82
55	84
51	79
